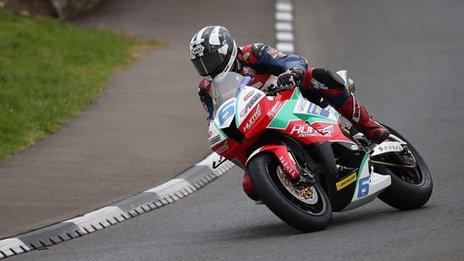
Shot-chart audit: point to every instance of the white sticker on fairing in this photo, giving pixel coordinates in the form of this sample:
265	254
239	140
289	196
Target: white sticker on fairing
225	114
368	184
387	146
215	135
303	106
248	98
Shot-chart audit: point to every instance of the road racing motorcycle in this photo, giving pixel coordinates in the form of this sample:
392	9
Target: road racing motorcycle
304	160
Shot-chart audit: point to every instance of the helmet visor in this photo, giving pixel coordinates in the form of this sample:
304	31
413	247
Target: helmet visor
208	63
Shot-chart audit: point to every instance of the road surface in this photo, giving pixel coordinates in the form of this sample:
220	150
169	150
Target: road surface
407	58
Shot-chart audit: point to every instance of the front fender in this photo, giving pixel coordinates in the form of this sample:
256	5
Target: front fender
285	158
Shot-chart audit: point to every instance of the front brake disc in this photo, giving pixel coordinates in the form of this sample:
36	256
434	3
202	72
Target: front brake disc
305	193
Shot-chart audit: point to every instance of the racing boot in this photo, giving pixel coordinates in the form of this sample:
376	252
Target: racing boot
357	114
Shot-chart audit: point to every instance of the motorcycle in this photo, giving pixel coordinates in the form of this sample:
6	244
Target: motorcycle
304	160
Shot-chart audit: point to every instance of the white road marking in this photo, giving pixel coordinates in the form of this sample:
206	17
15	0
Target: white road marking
284	16
285	47
186	183
164	185
284	6
284	36
284	26
10	246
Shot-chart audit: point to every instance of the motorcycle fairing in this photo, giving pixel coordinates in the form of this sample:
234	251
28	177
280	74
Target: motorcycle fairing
307	122
347	155
304	107
285	158
369	184
351	188
215	135
286	113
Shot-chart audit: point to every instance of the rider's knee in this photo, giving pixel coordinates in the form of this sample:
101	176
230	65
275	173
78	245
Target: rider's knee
328	78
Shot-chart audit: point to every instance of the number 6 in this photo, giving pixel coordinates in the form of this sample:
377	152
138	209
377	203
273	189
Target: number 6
363	188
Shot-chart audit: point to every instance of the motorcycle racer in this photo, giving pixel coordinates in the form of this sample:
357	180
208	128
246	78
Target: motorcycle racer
213	50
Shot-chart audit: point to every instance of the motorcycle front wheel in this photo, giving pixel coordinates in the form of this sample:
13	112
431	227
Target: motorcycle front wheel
305	207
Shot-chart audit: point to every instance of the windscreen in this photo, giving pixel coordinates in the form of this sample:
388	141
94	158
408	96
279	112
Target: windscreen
226	86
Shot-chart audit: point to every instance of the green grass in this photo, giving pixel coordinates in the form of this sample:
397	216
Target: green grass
49	71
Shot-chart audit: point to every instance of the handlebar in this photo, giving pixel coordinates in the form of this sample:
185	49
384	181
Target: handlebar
274	89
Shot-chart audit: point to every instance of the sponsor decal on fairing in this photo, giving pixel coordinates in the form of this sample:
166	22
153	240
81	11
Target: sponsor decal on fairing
214	140
248	95
250	104
253	118
225	114
224	147
303	106
246	102
274	109
387	146
215	136
346	181
306	130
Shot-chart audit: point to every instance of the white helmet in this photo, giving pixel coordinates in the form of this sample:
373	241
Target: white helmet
212	51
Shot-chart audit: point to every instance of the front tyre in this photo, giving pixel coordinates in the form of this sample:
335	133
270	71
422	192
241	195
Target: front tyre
411	188
311	212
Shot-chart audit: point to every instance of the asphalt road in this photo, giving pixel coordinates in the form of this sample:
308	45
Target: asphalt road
147	126
408	59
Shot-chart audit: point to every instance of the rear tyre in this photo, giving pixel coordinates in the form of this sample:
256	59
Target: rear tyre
316	215
410	188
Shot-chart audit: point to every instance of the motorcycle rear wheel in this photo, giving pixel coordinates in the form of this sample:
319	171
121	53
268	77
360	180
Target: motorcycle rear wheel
298	214
407	193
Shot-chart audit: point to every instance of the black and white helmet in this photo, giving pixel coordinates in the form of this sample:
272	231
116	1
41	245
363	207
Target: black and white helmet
212	51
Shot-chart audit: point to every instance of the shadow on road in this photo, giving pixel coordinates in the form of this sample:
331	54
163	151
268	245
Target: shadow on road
252	232
377	214
255	231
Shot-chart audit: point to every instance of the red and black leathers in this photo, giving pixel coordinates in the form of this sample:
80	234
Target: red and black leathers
260	61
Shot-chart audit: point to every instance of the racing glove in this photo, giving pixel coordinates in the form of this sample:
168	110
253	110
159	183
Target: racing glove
207	101
290	78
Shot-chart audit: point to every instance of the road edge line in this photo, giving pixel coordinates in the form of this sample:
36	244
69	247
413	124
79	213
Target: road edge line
189	181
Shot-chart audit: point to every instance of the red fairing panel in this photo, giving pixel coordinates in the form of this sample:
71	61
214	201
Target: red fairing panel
286	160
317	132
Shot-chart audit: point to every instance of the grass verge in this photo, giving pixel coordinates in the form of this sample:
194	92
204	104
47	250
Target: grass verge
49	71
